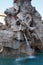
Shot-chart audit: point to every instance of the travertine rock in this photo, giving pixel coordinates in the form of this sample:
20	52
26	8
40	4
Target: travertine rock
23	29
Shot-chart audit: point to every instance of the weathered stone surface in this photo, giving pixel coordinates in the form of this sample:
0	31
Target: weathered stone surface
23	29
5	36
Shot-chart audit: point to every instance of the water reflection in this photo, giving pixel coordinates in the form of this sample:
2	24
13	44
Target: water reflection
25	58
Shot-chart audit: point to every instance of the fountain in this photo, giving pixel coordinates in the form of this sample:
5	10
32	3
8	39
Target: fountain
22	26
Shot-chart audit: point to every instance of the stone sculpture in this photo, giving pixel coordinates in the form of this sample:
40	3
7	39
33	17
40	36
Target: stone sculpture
22	30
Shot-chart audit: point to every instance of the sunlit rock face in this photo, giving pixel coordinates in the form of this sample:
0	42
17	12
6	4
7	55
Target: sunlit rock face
22	30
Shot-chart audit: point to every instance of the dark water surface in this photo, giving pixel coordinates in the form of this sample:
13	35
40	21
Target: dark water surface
30	60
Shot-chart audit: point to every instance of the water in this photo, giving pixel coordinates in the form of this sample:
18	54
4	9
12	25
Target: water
33	60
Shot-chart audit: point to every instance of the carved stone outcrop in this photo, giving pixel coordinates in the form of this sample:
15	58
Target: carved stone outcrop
22	31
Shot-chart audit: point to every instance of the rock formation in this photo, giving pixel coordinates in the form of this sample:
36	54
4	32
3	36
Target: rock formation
23	30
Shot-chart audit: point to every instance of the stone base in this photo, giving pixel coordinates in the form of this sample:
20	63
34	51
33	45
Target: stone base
22	51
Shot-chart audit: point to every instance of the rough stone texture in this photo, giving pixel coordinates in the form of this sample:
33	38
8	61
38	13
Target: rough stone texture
23	30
